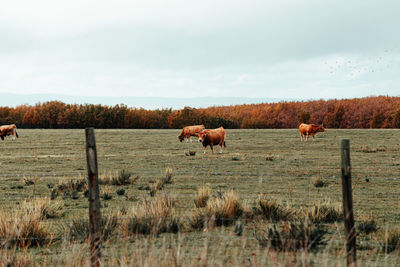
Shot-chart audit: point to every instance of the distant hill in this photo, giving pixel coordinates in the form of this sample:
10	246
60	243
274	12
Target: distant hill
13	100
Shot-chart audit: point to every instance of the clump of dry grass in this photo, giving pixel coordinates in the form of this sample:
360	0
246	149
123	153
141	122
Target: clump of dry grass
153	216
13	257
203	195
391	241
124	177
324	213
269	158
190	153
22	230
272	209
290	236
225	210
70	188
159	185
367	226
78	228
43	208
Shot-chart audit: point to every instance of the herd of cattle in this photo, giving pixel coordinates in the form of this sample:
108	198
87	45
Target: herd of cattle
217	136
205	136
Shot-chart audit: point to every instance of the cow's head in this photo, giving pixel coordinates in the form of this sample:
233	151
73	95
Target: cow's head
202	136
181	138
321	128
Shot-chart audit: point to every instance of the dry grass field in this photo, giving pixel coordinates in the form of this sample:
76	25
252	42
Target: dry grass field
152	218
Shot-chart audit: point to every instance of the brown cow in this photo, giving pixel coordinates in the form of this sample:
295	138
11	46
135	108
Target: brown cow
190	131
212	137
6	130
309	129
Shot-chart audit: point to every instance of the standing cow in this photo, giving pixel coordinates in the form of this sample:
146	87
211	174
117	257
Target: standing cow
190	131
212	137
6	130
309	129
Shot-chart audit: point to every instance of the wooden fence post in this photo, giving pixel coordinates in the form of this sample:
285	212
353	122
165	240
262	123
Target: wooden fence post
348	203
94	203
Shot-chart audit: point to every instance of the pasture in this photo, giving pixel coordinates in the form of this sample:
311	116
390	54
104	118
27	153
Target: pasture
273	163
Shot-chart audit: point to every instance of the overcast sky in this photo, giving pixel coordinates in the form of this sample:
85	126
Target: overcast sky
293	49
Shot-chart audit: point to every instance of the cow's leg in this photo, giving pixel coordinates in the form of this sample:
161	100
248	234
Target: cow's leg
313	137
212	149
301	137
220	151
306	137
204	149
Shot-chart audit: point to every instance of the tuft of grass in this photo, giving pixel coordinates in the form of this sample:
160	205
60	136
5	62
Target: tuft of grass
203	195
269	158
290	236
152	217
190	153
70	188
106	195
121	192
367	226
23	231
30	181
78	229
272	210
324	213
43	208
159	185
318	182
198	219
391	241
124	177
225	210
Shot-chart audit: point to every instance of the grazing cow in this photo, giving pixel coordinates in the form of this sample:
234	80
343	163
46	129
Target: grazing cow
212	137
190	131
309	129
6	130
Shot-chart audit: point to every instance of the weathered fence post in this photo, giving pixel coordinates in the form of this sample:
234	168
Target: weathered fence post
94	203
348	203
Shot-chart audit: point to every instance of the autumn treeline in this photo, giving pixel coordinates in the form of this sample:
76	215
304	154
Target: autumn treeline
369	112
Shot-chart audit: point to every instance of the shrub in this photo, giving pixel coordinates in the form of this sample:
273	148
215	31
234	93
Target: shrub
152	217
292	236
203	195
272	210
391	241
